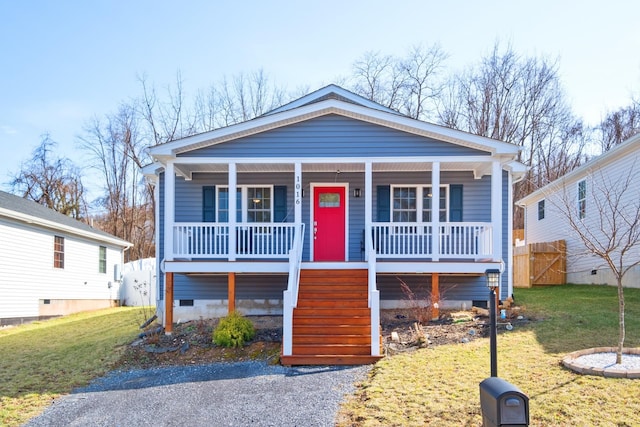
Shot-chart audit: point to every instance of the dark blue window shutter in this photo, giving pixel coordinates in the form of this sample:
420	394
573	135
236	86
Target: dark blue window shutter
455	203
383	203
209	204
279	203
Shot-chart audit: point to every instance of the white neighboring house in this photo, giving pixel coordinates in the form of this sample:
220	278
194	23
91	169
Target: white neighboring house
584	189
52	264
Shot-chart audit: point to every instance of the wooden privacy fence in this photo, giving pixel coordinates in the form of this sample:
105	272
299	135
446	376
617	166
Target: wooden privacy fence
540	264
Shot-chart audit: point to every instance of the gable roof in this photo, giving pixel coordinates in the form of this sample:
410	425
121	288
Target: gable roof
30	212
333	99
332	91
624	149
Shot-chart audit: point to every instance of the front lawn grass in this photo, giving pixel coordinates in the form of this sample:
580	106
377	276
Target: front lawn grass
440	386
40	361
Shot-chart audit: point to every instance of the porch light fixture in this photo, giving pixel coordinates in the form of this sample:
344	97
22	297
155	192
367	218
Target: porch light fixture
357	192
493	281
493	278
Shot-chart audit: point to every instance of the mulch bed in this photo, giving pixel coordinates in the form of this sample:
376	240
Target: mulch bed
191	342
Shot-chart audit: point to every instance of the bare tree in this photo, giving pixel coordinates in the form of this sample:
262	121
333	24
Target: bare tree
406	84
114	146
421	70
517	100
611	230
52	181
619	125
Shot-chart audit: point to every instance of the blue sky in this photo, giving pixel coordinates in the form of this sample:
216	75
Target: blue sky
64	62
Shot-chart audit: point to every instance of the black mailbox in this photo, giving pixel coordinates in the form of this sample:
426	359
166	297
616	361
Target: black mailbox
503	404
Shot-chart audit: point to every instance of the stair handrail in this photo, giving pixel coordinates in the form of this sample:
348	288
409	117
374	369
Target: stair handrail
374	299
290	295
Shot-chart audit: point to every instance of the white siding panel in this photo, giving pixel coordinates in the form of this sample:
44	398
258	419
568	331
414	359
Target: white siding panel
28	275
555	225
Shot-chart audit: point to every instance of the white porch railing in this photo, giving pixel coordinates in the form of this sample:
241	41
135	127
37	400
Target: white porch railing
253	240
456	240
290	296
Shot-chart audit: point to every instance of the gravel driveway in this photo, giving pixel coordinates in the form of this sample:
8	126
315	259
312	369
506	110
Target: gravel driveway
221	394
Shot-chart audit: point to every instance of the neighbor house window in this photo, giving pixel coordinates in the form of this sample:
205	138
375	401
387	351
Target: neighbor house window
102	260
540	210
407	201
582	199
253	204
58	252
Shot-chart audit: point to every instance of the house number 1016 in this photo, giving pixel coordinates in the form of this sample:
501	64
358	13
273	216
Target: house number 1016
298	191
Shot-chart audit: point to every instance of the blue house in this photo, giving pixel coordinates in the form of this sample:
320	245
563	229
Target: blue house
337	200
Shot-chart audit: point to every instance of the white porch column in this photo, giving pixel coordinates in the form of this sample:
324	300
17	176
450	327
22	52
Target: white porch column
169	209
297	210
496	209
435	209
368	207
233	182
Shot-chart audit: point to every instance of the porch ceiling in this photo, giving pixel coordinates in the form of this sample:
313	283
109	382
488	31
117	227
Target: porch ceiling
188	170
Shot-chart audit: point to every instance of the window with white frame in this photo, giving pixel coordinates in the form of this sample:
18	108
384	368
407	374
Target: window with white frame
427	205
253	204
407	201
541	210
102	259
582	199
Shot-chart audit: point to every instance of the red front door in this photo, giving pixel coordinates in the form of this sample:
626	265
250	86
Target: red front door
329	224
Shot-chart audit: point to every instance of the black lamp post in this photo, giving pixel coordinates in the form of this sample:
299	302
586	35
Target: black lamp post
493	281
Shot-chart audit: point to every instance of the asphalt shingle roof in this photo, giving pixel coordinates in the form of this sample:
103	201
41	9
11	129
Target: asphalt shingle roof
23	206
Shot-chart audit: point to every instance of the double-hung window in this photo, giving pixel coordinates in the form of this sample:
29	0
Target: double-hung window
408	201
427	205
541	210
102	259
253	204
582	199
58	252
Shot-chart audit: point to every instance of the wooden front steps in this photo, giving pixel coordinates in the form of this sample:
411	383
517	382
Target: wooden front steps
332	320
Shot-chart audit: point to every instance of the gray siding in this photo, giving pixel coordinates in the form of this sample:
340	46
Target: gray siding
333	136
248	286
453	288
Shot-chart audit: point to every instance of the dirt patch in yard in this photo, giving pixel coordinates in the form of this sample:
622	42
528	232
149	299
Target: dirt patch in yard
191	342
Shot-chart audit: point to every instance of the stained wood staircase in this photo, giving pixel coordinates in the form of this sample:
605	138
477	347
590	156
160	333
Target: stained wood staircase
332	320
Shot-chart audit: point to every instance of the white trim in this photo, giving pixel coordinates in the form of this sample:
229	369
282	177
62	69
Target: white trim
298	188
221	267
332	88
477	267
368	206
496	209
510	243
232	197
332	160
313	187
435	208
169	210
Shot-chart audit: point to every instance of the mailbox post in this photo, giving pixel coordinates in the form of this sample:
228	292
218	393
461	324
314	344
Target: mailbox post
502	404
493	281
